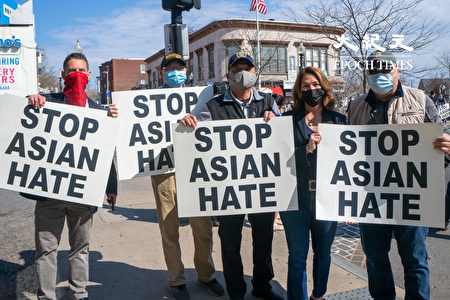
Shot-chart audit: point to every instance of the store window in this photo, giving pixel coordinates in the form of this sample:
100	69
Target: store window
232	49
200	65
190	69
273	59
317	57
210	51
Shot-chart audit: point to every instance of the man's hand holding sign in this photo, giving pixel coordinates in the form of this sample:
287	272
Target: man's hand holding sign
55	151
235	167
381	174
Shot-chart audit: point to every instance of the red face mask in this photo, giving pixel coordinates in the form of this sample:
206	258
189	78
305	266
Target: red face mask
75	88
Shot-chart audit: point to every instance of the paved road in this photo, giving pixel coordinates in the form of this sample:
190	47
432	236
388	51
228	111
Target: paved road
16	244
17	250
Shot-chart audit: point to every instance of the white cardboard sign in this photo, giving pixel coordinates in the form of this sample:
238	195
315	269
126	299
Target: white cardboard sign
145	142
382	174
444	111
59	151
235	167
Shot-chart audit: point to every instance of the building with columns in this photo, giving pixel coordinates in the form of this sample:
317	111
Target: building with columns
280	42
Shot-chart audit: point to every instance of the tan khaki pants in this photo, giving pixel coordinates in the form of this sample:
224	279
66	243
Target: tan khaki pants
166	202
50	216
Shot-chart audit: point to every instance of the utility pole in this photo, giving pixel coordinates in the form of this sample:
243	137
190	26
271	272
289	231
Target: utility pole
178	34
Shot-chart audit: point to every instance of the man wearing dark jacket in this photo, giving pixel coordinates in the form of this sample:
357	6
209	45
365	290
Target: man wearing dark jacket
50	214
242	101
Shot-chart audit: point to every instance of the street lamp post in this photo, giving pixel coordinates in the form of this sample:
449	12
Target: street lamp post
60	81
107	86
301	55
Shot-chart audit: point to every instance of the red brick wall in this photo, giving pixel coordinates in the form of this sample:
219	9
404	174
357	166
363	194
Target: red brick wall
126	74
123	74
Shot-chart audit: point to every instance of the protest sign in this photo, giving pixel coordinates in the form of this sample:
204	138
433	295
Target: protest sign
145	143
444	111
235	167
59	151
385	174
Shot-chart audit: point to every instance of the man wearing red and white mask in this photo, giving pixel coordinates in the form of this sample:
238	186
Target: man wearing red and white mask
50	214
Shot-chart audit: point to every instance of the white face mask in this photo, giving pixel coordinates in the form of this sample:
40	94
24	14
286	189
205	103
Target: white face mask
242	79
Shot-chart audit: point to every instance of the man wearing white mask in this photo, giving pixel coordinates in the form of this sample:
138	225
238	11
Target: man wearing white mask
242	101
390	102
173	71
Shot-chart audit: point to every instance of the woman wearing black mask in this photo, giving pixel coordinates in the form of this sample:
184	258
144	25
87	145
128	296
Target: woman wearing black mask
313	102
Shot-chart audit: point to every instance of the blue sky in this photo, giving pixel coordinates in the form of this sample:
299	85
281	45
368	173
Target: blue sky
134	28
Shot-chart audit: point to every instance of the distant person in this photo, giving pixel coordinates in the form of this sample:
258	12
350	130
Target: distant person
173	72
386	103
313	104
242	101
50	214
432	96
440	100
281	102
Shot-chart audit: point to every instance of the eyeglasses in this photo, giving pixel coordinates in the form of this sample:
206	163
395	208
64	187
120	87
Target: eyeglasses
377	71
381	67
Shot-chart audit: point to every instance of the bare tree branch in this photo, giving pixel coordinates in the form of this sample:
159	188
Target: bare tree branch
443	61
361	18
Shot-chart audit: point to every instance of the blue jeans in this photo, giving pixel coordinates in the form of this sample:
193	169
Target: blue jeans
297	225
376	243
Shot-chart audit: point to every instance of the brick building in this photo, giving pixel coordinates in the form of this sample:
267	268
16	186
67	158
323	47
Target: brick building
121	75
280	42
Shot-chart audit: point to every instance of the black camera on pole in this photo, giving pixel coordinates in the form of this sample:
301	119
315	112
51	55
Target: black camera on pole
176	37
180	4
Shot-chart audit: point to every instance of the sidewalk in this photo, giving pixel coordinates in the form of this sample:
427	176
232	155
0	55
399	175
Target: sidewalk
127	262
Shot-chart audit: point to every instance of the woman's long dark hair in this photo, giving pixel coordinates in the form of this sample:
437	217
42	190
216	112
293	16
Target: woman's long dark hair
328	101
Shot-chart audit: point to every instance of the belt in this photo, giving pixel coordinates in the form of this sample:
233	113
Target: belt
311	185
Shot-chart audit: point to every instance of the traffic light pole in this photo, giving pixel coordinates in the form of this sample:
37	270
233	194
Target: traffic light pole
177	21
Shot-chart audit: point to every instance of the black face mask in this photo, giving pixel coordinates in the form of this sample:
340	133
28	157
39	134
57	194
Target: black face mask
313	97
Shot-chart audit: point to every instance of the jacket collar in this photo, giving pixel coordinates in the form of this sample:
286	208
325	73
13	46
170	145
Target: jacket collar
372	100
299	116
229	97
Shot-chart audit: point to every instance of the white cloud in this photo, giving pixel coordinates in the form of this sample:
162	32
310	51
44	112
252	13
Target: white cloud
137	31
126	33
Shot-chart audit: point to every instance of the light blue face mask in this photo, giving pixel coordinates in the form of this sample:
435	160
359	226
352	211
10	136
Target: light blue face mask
381	83
175	78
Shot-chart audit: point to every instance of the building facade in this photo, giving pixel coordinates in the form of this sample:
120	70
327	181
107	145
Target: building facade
121	75
440	86
280	42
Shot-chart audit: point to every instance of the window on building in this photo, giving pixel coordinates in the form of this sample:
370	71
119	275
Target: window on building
338	62
160	80
142	68
211	72
232	49
273	59
190	68
200	65
317	57
143	81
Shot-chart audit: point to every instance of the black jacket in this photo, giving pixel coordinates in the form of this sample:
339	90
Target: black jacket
306	163
111	187
221	109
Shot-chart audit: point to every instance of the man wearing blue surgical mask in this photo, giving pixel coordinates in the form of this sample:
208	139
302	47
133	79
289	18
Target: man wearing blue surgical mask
390	102
173	70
